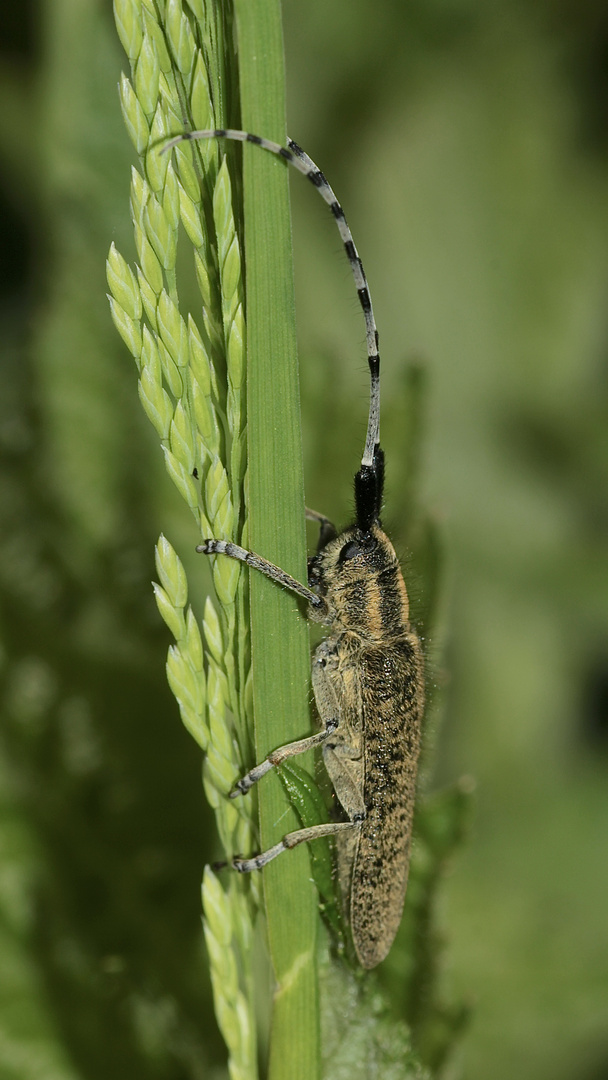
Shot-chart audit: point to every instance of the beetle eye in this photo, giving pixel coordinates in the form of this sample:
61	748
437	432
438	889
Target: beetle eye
349	551
363	546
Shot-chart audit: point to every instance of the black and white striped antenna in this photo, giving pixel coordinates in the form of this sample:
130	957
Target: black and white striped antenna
369	479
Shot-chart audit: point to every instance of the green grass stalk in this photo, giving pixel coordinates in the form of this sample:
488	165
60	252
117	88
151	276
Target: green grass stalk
280	650
193	387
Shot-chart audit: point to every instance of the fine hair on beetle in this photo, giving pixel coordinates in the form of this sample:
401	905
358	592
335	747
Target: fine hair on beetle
367	673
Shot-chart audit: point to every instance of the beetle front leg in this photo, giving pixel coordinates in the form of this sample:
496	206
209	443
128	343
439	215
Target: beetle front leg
257	562
327	529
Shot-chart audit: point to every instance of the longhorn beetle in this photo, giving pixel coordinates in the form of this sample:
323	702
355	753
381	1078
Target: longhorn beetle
367	674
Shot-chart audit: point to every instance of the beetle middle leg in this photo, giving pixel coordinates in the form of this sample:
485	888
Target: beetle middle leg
329	711
300	746
341	756
338	757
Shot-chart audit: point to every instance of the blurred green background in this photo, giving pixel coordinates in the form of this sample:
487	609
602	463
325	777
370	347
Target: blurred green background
469	144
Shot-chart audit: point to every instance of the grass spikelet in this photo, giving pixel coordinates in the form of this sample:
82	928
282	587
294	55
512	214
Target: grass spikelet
191	386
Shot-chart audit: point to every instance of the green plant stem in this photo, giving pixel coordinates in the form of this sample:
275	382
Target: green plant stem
280	653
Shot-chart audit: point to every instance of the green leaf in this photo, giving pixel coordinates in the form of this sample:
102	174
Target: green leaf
310	807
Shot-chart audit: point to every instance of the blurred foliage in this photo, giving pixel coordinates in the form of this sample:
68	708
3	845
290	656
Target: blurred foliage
468	144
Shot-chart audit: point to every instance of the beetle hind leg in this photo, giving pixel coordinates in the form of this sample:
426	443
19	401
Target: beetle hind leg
291	840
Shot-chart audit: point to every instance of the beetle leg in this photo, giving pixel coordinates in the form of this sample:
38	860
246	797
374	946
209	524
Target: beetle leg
291	840
300	746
